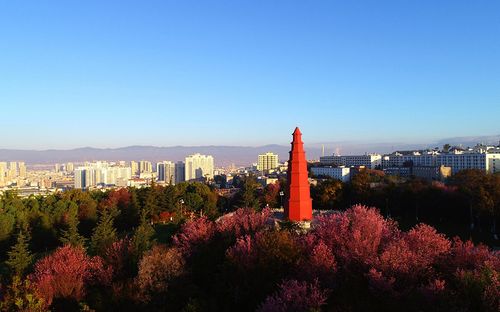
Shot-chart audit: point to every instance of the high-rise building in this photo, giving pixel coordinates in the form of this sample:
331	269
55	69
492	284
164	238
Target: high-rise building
145	166
57	167
135	167
13	169
299	204
70	167
22	169
267	161
81	178
180	170
166	171
3	173
199	167
101	173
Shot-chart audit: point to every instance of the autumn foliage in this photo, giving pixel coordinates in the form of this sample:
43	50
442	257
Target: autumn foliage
67	273
247	260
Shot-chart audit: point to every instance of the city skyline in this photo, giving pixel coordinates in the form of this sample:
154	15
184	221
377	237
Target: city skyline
79	76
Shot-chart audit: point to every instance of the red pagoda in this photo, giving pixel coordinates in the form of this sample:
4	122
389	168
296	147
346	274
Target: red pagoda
299	204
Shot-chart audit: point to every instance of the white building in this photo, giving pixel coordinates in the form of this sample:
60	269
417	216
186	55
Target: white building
488	162
3	173
165	171
70	167
369	160
339	173
145	166
22	169
267	161
135	167
101	173
199	166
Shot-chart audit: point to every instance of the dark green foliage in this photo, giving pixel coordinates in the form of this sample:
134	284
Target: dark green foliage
212	281
248	197
70	235
142	240
104	233
20	257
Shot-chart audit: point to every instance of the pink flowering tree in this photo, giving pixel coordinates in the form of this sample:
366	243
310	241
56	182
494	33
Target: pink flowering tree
357	235
67	273
243	221
414	256
295	296
193	234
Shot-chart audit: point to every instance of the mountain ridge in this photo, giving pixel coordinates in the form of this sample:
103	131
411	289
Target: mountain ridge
224	154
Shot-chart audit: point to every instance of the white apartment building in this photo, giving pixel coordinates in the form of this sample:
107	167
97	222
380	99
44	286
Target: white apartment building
145	166
135	167
489	162
416	158
267	161
93	174
22	169
3	173
165	171
369	160
199	166
339	173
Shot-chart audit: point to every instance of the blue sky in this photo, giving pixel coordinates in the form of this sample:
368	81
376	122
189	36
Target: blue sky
119	73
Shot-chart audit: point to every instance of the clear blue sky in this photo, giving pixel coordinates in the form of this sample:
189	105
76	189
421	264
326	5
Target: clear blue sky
119	73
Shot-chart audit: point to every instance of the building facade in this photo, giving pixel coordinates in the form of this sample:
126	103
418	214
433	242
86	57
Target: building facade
180	171
340	173
371	161
101	173
267	161
165	172
145	166
488	162
199	166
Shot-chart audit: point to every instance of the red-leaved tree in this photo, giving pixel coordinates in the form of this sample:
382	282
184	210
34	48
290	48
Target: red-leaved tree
193	234
295	296
67	272
356	235
243	221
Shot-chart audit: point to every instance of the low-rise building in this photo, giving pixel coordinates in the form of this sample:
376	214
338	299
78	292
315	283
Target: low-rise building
339	173
371	161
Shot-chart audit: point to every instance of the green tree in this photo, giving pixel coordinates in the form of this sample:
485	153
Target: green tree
70	235
151	207
249	197
327	194
20	257
104	233
143	237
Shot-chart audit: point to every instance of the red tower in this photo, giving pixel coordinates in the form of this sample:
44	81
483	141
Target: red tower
299	204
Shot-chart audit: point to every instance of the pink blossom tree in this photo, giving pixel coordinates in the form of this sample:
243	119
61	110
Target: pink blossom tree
295	296
67	273
193	234
243	221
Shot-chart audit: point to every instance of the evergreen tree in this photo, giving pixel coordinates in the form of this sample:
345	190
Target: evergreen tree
20	257
151	202
70	235
104	233
248	193
143	237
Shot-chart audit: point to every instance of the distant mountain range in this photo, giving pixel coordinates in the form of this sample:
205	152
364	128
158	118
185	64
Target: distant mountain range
224	155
